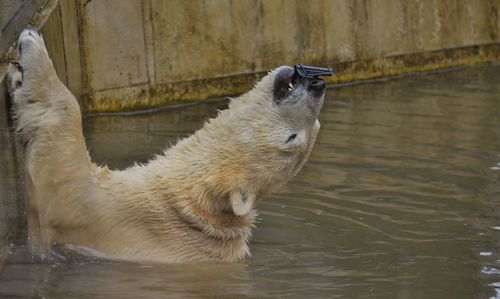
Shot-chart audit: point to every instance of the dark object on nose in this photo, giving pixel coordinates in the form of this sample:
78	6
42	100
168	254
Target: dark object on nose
312	72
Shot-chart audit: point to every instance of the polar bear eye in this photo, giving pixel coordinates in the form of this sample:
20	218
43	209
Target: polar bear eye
291	138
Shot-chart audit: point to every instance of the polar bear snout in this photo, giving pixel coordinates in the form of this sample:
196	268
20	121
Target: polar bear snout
317	86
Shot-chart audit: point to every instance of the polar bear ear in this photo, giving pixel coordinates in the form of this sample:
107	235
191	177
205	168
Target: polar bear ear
242	202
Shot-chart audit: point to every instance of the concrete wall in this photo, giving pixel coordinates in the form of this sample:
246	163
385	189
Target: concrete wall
150	52
8	175
132	54
8	205
7	10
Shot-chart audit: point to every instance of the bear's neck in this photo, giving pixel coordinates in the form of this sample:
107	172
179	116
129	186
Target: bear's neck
196	176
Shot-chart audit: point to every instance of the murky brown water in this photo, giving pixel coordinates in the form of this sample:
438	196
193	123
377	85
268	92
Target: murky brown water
400	199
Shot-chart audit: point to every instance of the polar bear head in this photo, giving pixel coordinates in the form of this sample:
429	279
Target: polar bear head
252	148
274	127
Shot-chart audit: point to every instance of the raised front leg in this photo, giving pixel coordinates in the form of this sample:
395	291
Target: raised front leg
57	167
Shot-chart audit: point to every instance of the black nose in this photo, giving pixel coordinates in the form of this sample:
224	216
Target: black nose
317	86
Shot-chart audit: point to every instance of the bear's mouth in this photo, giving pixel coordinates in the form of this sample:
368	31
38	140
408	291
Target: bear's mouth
317	85
307	78
292	84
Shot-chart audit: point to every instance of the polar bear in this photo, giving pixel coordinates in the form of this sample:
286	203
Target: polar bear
195	202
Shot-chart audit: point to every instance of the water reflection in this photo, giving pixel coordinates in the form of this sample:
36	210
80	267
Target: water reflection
399	199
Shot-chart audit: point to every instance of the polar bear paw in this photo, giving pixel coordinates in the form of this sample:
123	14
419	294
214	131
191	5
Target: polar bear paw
32	50
30	38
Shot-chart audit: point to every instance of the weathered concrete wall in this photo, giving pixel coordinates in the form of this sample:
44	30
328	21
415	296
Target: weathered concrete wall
135	54
143	53
8	173
8	176
7	9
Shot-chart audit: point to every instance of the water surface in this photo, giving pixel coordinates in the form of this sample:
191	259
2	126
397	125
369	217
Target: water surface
399	199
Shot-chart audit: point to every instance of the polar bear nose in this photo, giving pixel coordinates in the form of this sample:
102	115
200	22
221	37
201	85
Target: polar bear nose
317	86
